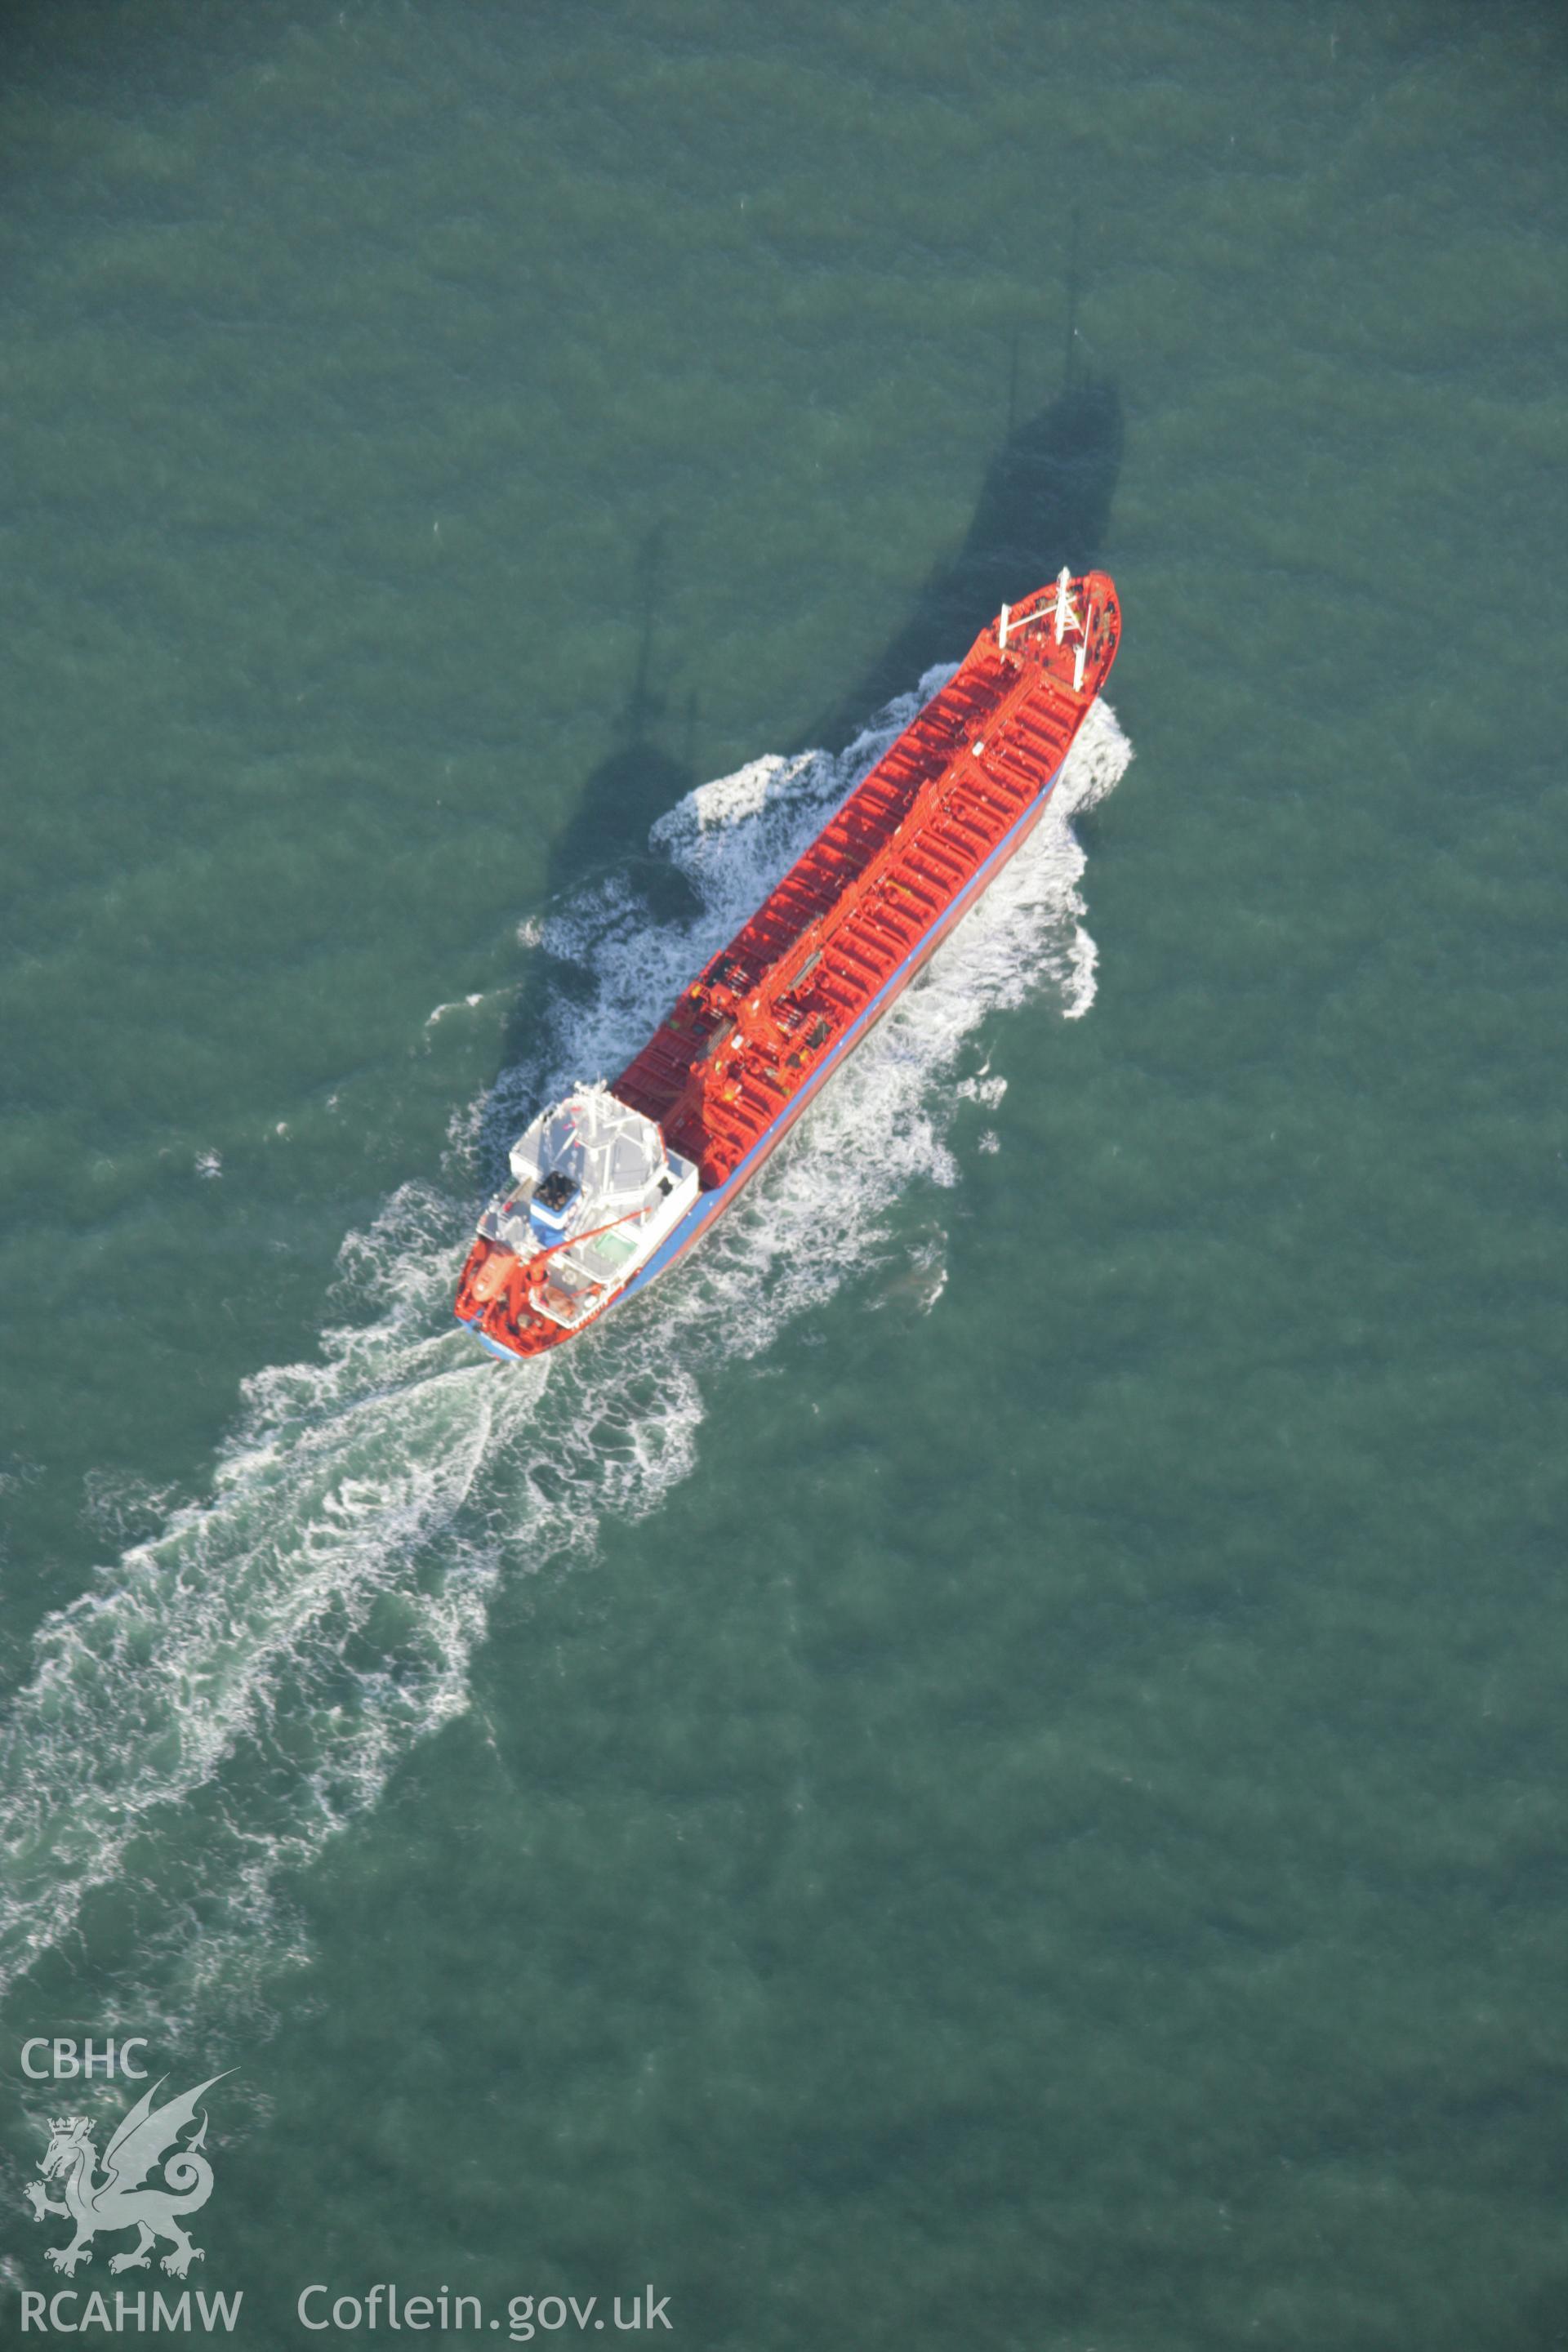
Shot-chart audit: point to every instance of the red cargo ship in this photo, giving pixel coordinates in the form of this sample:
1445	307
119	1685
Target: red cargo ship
613	1185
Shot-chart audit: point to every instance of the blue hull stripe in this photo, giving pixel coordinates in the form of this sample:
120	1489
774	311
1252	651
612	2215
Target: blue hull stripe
702	1214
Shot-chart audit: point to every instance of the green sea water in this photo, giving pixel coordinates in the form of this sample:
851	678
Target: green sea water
988	1767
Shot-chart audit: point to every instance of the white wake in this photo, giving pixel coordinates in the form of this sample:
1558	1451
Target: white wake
233	1690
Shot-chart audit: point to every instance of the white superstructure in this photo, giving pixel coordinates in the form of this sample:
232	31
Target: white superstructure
593	1192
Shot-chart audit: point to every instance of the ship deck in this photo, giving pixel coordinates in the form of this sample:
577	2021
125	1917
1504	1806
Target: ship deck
878	881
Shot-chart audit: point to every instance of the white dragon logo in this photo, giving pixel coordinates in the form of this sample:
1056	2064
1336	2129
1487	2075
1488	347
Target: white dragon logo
118	2201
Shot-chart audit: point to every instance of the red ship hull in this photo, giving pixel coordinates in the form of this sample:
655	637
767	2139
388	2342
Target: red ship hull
835	944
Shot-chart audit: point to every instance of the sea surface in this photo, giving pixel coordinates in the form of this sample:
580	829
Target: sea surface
988	1767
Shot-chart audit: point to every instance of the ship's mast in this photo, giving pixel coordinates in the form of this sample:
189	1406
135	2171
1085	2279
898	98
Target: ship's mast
1064	616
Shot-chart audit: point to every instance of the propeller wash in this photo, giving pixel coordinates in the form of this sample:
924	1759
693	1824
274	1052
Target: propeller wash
244	1673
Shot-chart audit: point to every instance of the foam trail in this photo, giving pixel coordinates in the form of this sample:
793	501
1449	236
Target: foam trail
236	1687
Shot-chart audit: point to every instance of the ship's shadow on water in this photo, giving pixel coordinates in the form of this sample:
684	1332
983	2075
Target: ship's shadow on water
638	780
1046	500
